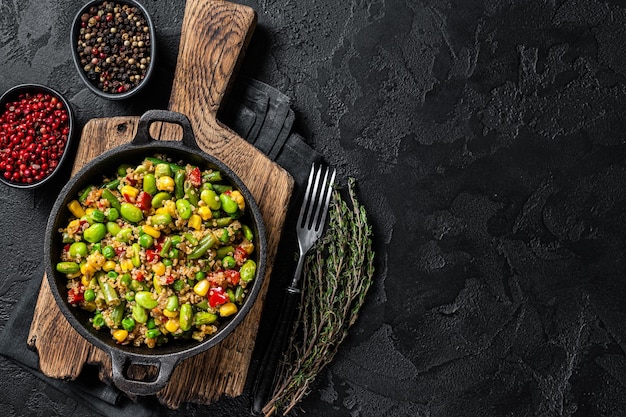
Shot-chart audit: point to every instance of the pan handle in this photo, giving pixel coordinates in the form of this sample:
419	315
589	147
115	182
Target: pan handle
120	361
143	136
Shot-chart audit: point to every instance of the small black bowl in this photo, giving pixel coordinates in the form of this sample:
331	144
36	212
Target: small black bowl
115	43
14	94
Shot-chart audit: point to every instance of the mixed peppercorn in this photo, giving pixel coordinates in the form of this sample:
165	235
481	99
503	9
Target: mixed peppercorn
33	136
113	46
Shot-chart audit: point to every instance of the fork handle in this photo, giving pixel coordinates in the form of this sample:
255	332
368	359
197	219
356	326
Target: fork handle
267	370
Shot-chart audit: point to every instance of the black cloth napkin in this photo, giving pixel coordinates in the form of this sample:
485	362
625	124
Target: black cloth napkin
257	112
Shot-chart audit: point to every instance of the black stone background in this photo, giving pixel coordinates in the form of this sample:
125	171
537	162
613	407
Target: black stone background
487	138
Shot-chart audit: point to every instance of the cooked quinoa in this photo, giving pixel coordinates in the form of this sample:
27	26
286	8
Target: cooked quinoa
158	251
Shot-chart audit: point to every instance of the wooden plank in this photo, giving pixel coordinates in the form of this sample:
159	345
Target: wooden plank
213	35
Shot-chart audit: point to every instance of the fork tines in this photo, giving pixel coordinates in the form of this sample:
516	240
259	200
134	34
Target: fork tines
316	198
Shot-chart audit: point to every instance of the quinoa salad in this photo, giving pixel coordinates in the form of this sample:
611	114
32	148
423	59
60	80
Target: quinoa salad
157	251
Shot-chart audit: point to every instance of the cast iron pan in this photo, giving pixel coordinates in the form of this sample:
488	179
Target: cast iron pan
164	358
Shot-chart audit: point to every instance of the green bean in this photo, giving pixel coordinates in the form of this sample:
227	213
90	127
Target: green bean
184	208
231	295
131	212
144	299
113	201
179	184
121	170
211	199
185	317
203	305
223	221
206	243
67	267
172	303
83	196
247	270
173	253
162	219
221	188
98	321
189	237
113	214
108	252
149	184
191	193
118	313
223	251
153	333
228	204
108	290
157	161
112	185
204	317
160	198
126	279
97	216
78	249
139	314
239	292
128	324
95	233
113	228
140	169
213	176
136	285
167	244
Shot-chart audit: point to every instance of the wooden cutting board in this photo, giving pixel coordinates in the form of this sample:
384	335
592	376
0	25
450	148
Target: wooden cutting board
214	35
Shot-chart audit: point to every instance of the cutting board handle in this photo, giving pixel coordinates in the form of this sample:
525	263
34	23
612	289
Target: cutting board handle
214	35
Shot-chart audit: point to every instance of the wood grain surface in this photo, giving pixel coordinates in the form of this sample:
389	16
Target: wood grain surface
213	36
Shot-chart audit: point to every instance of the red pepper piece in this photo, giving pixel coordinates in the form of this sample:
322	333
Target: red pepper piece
240	255
144	201
217	296
152	255
139	277
169	280
195	177
75	295
232	276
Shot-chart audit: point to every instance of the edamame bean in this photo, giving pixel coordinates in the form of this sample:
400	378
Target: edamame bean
139	314
95	233
131	213
228	204
160	198
126	279
211	199
113	201
204	317
149	184
172	303
161	219
145	300
113	228
185	317
247	270
78	249
184	208
247	232
124	234
68	267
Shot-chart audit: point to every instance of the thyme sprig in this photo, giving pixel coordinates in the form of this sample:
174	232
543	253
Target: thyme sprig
337	275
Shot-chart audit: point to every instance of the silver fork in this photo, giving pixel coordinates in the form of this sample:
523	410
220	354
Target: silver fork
309	229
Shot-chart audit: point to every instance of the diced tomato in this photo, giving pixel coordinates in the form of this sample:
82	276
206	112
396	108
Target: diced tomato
128	198
152	255
217	296
131	180
144	201
232	276
76	295
169	280
240	255
139	277
119	251
66	248
195	177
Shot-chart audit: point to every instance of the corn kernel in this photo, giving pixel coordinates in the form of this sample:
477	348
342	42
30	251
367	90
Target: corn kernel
205	212
228	309
89	306
247	246
109	266
172	325
170	206
195	221
202	287
165	183
76	209
158	268
130	191
161	210
236	195
156	284
89	210
126	265
149	230
87	269
170	314
120	335
85	280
